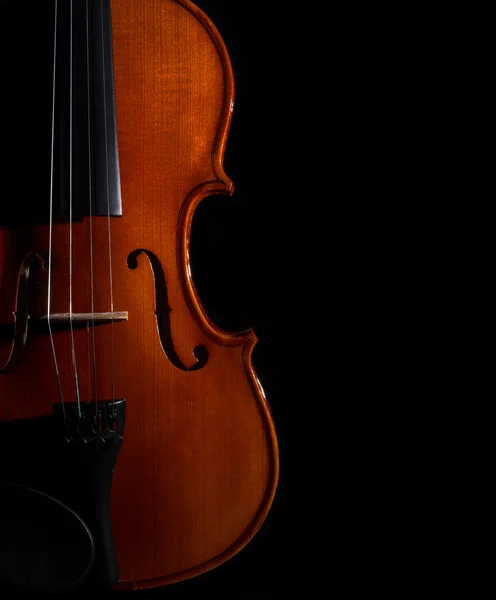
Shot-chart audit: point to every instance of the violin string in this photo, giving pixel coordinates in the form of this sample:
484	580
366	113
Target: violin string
73	346
52	344
88	337
108	214
92	284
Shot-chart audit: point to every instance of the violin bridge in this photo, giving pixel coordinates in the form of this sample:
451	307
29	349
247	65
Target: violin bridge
63	321
101	317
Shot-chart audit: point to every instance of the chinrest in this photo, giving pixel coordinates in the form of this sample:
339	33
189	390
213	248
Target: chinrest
44	545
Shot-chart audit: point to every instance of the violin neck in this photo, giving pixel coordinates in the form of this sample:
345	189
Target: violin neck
85	122
73	114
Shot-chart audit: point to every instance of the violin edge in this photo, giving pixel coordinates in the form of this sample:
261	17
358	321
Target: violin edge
220	141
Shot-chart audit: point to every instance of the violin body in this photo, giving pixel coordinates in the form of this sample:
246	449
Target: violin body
198	466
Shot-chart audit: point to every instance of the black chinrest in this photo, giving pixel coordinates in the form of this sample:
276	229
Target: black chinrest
44	545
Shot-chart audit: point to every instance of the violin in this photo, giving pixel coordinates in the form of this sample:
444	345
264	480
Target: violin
141	447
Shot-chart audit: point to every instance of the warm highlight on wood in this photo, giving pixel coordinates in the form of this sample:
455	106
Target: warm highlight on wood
198	469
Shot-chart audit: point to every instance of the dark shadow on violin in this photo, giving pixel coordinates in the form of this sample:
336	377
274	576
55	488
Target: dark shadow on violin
55	530
44	545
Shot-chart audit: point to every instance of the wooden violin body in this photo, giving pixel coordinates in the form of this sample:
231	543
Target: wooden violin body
197	471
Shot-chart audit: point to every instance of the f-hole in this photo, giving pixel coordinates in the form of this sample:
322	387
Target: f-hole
162	312
21	314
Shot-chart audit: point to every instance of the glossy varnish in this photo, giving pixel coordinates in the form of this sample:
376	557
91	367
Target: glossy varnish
198	469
